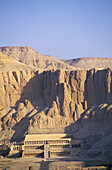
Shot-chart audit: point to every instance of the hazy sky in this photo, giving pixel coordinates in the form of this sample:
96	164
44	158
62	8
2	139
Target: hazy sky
61	28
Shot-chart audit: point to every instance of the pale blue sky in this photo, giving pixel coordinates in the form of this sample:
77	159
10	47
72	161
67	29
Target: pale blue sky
61	28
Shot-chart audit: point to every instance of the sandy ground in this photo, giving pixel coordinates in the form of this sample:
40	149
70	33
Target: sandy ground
40	164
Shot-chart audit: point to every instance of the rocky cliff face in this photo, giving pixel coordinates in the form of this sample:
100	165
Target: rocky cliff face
11	86
75	101
79	102
76	91
64	94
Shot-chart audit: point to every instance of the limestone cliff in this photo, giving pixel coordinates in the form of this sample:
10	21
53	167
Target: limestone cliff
61	95
75	101
11	86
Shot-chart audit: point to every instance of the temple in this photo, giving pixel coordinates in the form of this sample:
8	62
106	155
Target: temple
47	146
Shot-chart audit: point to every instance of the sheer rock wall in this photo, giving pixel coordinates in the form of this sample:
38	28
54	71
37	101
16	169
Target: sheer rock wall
65	93
54	100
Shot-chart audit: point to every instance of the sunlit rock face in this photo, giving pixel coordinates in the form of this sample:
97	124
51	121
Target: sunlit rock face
77	101
54	94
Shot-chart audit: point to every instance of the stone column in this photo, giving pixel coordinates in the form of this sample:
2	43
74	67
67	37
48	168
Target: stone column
46	151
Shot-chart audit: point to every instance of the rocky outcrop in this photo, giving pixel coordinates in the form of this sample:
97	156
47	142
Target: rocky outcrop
76	91
64	94
11	86
78	102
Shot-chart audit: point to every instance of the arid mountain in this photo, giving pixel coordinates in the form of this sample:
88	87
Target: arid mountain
8	64
30	57
77	102
90	62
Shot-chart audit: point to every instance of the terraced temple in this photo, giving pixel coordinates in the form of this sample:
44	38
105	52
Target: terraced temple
48	146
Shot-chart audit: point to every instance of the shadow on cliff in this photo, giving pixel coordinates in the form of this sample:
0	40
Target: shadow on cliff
91	131
38	92
96	115
98	87
96	121
32	91
21	128
41	93
97	92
